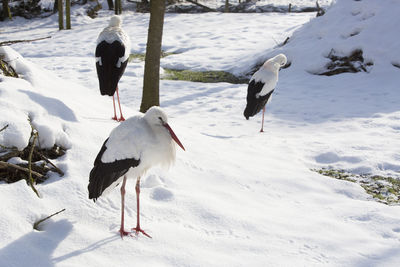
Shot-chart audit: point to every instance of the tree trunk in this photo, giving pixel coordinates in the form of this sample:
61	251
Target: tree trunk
226	6
60	15
151	79
118	7
68	14
55	6
6	10
110	4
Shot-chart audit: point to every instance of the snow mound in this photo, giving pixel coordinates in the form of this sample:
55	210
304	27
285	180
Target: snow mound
348	26
24	100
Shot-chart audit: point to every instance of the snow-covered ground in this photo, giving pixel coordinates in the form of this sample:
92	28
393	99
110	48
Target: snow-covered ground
235	197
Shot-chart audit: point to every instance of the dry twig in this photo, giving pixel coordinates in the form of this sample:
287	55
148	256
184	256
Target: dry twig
7	164
36	224
58	170
22	41
31	181
5	127
2	129
200	5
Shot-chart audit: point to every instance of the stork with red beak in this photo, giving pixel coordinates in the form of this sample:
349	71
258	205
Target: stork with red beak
133	147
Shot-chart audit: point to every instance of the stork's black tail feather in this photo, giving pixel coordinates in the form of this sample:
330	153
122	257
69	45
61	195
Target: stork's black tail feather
255	104
107	71
252	108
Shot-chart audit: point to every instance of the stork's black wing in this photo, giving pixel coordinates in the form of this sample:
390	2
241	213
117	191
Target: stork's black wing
107	71
255	104
104	174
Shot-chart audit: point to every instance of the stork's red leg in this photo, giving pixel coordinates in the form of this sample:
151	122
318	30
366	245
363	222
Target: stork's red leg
119	104
137	228
122	229
115	112
262	122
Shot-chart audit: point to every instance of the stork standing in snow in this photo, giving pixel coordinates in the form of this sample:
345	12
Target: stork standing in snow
112	54
133	147
262	85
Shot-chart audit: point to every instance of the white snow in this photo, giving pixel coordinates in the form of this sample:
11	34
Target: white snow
235	197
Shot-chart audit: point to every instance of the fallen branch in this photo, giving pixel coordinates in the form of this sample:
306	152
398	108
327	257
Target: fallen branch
13	153
58	170
22	41
320	11
285	42
5	127
7	164
36	224
31	181
6	68
2	129
200	5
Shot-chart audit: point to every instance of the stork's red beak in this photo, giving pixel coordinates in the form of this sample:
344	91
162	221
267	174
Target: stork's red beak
173	135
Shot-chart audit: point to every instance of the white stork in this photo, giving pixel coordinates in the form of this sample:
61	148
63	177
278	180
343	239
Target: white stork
112	54
262	85
133	147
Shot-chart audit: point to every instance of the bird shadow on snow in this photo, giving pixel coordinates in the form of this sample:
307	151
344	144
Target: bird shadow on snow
90	248
36	248
193	96
53	106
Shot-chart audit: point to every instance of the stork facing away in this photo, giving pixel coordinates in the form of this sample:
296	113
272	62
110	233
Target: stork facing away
112	54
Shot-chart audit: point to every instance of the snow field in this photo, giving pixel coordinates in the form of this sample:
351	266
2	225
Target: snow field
234	197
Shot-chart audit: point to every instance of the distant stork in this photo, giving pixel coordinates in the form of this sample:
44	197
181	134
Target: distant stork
112	54
262	85
133	147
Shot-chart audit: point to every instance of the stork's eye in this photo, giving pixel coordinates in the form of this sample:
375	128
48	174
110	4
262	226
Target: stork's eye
161	119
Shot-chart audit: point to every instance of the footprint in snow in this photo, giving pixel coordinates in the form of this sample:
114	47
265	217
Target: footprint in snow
362	218
396	230
367	16
161	194
354	32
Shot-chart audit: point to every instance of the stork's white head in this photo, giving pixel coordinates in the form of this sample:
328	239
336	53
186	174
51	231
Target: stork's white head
115	21
276	62
156	118
280	59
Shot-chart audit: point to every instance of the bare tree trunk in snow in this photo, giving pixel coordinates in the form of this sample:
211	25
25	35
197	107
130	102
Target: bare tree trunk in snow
151	79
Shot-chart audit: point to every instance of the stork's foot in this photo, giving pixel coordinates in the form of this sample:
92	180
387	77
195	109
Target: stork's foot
139	230
121	119
123	233
261	131
115	118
